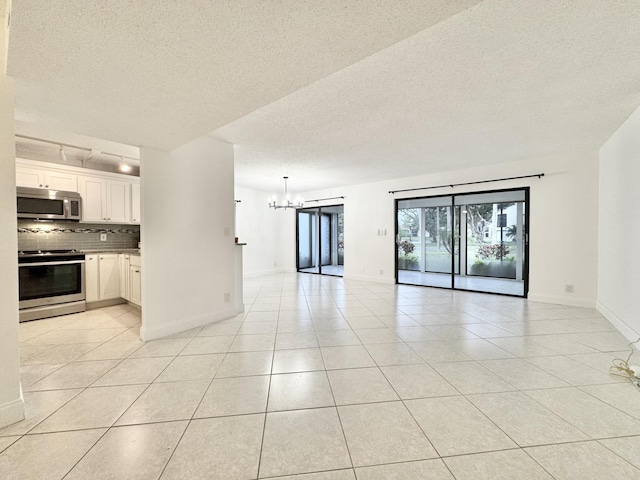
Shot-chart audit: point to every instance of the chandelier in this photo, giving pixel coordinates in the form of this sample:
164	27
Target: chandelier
286	202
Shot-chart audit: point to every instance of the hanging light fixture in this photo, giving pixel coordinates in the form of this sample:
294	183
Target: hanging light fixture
286	202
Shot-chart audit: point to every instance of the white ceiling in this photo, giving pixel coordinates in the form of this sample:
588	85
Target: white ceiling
332	93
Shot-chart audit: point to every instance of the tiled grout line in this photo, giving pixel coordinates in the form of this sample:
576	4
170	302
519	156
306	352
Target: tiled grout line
325	365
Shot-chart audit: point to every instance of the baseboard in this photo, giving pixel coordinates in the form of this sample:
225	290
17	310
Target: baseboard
261	273
562	300
372	279
622	326
183	324
105	303
11	412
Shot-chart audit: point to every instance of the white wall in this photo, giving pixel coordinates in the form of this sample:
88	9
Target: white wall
187	236
619	232
564	222
262	229
11	405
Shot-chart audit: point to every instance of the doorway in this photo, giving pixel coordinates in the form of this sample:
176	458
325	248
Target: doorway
473	241
320	240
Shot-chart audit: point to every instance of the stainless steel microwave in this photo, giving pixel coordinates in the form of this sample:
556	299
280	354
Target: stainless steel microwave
45	204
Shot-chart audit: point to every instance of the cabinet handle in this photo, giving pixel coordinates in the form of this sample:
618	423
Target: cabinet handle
46	186
41	185
137	271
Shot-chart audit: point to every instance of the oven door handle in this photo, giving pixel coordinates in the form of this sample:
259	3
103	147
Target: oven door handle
45	264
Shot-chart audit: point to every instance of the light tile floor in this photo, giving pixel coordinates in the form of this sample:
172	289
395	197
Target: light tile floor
324	378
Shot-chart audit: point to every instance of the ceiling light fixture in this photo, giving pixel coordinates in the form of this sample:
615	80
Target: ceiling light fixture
63	156
286	202
123	167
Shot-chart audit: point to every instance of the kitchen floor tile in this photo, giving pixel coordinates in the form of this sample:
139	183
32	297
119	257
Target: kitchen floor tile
253	343
30	374
112	351
440	351
383	433
295	340
360	385
218	448
353	356
207	345
93	408
235	396
505	465
471	377
6	442
393	354
161	348
75	375
245	364
165	402
303	441
422	470
134	370
623	396
253	328
371	336
331	475
626	447
136	452
337	338
46	456
572	371
456	427
592	416
522	374
525	420
582	461
221	328
297	360
37	407
296	391
417	381
191	367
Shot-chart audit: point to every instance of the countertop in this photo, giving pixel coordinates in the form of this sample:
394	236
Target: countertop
130	251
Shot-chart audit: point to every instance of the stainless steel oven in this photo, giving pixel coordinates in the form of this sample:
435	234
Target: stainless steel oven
51	283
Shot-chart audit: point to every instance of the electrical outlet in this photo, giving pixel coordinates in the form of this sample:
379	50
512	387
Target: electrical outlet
568	288
227	297
381	272
103	237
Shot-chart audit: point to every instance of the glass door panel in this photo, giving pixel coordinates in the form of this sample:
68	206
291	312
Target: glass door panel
320	240
307	241
470	241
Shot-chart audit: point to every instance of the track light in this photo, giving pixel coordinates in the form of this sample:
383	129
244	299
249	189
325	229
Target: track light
63	156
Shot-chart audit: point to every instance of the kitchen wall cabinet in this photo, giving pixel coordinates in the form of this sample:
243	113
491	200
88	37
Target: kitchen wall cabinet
105	200
106	197
28	176
135	203
102	280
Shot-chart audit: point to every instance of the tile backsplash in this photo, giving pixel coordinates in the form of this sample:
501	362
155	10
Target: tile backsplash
80	236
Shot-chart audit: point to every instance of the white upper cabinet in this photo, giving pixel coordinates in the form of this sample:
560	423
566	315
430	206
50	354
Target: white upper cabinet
106	197
93	191
27	176
118	202
135	203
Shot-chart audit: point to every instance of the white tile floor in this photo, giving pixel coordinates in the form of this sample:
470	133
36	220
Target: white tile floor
333	379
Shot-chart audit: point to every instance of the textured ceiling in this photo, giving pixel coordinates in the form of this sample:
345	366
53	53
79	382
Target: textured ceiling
161	73
332	93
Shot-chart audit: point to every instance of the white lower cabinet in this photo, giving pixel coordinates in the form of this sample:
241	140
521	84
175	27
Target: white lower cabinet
130	276
102	277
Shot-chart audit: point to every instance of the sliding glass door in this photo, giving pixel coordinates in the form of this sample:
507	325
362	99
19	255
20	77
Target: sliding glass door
320	240
470	241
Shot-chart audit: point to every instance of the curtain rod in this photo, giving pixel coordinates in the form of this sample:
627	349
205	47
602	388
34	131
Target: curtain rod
62	144
539	175
322	199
